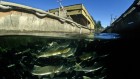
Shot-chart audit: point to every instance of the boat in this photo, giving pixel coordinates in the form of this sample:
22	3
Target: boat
17	19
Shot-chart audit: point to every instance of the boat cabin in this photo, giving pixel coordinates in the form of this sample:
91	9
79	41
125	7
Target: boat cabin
77	13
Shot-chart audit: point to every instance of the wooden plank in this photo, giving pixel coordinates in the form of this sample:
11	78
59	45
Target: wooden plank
87	15
75	12
92	24
72	7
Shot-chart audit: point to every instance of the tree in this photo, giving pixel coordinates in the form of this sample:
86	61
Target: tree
98	26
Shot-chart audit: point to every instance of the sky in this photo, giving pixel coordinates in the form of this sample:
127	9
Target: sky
100	10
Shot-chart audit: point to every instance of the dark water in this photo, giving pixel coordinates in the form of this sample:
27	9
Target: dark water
108	56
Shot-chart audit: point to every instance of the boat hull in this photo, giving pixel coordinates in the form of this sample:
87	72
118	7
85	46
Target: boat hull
23	20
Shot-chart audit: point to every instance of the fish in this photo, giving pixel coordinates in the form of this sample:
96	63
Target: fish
56	78
55	49
85	77
77	66
89	69
11	65
62	45
50	70
52	44
86	69
46	70
54	52
69	53
100	77
61	78
87	56
23	52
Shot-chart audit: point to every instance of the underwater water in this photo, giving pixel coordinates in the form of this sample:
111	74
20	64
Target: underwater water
32	57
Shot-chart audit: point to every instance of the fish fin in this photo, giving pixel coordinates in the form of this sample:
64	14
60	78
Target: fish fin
36	66
67	71
39	76
52	75
85	77
58	73
77	65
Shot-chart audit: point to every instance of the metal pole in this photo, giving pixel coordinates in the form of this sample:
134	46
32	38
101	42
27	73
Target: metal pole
60	3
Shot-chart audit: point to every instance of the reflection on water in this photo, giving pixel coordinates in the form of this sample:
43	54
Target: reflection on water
107	36
31	57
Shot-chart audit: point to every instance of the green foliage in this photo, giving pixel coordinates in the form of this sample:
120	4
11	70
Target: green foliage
98	25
